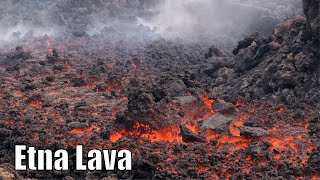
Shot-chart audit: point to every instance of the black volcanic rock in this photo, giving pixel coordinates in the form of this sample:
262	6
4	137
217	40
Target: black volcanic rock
305	62
282	67
311	11
251	56
169	88
77	82
217	122
4	133
19	53
252	131
223	107
243	44
214	52
182	100
140	103
314	159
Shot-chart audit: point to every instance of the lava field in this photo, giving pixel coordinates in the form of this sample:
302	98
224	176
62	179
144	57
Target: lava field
185	110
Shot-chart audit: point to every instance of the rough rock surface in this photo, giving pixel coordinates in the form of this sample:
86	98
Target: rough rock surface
223	107
217	122
252	131
182	100
113	91
311	11
282	67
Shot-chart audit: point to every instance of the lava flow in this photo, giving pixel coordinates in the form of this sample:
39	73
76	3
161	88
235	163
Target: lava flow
186	109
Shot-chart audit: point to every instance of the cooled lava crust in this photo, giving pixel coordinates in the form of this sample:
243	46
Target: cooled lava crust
186	111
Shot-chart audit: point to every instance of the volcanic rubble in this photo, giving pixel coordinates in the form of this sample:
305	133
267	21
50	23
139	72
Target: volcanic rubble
185	111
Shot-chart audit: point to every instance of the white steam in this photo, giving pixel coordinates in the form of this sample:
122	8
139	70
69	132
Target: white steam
9	34
140	20
19	20
207	18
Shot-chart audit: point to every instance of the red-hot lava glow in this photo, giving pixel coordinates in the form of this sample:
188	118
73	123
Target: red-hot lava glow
87	129
170	134
208	102
35	103
92	108
233	127
9	122
113	86
210	134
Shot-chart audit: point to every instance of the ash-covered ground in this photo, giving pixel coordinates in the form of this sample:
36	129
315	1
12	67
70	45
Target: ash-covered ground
218	101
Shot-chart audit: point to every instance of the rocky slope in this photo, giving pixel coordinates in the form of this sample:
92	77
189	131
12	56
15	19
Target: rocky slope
185	110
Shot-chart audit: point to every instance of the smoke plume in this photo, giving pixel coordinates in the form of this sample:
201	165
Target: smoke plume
192	20
211	19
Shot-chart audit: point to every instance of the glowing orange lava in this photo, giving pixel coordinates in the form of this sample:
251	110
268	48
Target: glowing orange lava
35	103
236	142
208	102
192	127
277	156
113	86
202	168
234	130
239	103
82	131
210	134
9	122
233	127
281	109
170	134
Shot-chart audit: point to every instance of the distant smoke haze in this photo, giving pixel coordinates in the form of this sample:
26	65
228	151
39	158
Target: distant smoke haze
214	19
19	19
196	18
152	19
